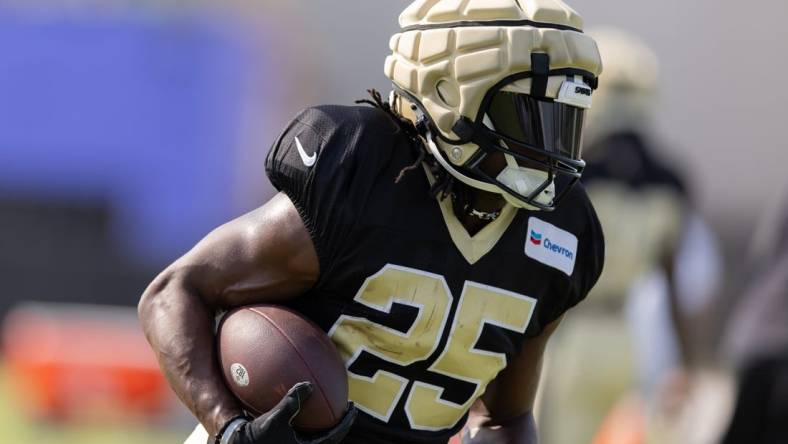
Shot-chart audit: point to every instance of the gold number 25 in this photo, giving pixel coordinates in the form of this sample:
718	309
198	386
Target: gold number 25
424	407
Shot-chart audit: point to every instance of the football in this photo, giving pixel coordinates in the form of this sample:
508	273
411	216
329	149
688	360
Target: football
265	349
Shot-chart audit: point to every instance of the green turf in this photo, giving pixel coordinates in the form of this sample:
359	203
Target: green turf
17	428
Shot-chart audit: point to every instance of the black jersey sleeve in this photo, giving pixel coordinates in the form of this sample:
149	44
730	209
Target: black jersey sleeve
325	161
591	254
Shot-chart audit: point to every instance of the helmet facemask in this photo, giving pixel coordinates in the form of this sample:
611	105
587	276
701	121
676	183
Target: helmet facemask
539	138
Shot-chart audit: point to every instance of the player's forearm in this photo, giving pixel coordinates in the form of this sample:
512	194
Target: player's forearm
179	327
519	430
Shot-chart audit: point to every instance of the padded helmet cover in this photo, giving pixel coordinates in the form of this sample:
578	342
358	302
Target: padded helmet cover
450	53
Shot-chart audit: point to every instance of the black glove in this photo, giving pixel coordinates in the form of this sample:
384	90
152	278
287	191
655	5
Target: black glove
274	427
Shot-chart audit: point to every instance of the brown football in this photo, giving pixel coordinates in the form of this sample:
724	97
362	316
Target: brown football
265	349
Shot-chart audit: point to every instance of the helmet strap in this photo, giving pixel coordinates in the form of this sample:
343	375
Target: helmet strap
540	73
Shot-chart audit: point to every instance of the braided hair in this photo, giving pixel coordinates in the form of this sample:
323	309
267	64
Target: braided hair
445	185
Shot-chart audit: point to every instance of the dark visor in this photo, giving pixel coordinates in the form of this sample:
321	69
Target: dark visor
553	127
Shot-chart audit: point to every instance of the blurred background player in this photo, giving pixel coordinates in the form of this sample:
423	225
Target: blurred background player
632	337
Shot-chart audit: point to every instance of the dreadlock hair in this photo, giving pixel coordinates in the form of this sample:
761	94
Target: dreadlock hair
445	185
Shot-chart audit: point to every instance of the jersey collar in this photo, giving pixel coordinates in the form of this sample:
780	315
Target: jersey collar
477	246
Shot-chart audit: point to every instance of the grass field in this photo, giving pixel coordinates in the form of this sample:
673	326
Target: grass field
17	428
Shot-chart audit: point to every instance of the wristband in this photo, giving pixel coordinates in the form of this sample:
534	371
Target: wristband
226	434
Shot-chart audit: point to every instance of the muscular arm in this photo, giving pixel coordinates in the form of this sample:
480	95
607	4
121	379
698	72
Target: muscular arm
504	415
264	256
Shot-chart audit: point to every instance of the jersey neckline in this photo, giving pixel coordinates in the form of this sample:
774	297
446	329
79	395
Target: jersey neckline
475	247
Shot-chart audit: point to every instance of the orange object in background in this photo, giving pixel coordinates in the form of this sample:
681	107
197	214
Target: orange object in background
625	424
82	362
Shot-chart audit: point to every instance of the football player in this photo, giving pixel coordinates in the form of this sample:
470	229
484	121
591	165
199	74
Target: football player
437	238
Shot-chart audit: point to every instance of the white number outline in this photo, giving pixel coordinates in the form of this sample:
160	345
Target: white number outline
426	355
387	309
471	350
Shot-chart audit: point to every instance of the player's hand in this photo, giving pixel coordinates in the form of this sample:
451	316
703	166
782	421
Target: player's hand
275	426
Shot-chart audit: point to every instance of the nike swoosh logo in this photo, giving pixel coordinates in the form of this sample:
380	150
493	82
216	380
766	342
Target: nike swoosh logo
308	160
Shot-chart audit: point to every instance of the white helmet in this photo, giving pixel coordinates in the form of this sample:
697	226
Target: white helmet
627	93
510	76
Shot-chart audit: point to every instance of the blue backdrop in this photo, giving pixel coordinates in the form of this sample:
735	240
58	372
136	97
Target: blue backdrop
141	113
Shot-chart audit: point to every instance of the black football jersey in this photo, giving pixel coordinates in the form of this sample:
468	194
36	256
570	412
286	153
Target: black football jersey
423	314
628	158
